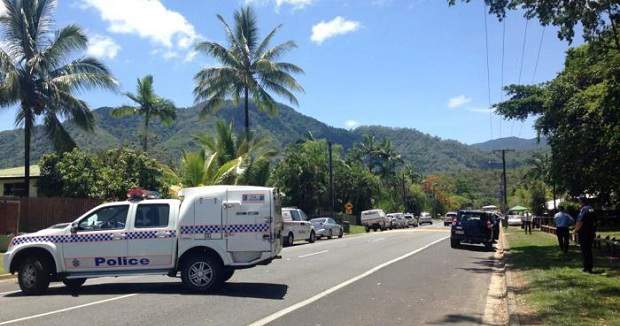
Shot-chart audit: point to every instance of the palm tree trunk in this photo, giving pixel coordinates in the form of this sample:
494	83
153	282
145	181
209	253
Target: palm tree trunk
247	116
27	131
146	133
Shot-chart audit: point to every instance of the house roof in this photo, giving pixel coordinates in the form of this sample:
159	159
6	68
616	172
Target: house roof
18	172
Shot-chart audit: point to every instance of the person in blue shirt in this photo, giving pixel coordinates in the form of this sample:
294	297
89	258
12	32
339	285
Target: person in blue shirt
562	221
585	229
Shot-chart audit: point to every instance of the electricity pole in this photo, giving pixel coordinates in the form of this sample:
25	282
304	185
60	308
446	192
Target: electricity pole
504	179
331	180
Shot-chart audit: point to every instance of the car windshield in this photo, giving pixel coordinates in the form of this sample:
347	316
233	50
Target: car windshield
318	220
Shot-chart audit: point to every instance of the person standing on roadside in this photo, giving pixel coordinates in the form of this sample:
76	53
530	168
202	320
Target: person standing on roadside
527	223
562	221
585	230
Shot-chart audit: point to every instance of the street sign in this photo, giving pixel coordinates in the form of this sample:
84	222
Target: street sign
348	207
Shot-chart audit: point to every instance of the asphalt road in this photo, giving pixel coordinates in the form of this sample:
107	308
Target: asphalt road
400	277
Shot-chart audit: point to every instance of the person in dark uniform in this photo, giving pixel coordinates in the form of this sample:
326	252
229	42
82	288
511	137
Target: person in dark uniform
585	230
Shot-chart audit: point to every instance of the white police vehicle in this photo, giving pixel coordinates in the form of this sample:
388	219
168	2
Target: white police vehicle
205	236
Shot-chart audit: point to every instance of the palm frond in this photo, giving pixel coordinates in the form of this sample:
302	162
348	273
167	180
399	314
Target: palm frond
68	39
266	41
279	50
61	140
124	111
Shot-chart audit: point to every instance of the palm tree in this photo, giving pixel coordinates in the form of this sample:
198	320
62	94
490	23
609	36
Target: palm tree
149	105
256	153
35	74
248	68
200	169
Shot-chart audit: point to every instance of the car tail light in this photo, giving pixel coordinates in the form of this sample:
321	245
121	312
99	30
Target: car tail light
454	222
489	224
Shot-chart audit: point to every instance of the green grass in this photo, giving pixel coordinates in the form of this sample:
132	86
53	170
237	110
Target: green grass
356	229
557	291
1	266
611	234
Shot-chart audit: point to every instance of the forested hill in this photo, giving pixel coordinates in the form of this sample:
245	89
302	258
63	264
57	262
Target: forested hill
513	143
426	152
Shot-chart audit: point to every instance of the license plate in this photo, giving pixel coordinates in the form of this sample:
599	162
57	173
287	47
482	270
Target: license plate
459	232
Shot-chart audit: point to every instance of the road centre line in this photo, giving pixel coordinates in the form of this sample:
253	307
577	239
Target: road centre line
335	288
68	309
314	253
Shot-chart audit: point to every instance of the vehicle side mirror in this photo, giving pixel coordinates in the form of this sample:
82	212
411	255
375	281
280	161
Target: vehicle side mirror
74	227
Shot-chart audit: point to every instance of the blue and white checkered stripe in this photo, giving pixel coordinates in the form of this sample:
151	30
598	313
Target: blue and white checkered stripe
234	228
93	237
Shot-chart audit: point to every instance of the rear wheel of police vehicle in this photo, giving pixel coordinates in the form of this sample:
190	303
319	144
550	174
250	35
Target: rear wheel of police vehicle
312	237
289	239
33	276
74	283
202	273
454	243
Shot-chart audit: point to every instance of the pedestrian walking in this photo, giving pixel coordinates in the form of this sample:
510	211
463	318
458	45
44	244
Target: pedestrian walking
585	229
527	223
562	221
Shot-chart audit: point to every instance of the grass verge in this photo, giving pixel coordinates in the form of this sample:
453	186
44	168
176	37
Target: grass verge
1	266
556	289
353	229
611	234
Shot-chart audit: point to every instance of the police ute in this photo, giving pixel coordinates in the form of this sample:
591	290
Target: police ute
205	235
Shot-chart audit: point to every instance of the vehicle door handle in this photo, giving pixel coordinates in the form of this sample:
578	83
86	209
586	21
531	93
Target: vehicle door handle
119	236
163	234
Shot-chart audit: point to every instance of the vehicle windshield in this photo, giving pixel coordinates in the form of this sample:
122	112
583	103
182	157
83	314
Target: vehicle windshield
318	220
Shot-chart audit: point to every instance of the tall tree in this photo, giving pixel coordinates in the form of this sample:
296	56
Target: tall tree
600	19
35	74
249	68
149	105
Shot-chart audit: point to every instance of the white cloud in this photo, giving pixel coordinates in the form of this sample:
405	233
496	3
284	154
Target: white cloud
295	4
458	101
101	47
351	124
328	29
149	19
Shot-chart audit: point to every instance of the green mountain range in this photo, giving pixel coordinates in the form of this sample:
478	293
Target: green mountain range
427	153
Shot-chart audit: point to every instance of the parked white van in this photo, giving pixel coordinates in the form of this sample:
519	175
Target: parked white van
375	219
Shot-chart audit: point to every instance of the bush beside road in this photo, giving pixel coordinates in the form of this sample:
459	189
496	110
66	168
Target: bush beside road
555	289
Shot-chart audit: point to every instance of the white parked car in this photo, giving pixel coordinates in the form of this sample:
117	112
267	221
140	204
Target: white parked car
514	220
296	226
327	227
425	218
205	236
375	219
449	218
411	220
398	220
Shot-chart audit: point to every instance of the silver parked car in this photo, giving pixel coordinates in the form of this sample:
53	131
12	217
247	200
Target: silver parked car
327	227
425	217
411	220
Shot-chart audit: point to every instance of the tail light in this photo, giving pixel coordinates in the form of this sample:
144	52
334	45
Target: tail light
454	221
489	224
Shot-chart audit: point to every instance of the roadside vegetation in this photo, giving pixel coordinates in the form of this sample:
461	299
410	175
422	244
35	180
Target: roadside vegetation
556	289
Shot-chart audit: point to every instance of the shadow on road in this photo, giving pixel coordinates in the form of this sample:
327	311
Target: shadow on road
232	289
472	247
457	319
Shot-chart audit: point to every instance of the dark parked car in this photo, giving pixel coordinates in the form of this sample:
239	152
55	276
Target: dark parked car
473	227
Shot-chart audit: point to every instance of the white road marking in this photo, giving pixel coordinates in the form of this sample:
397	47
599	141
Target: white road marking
68	309
314	253
316	297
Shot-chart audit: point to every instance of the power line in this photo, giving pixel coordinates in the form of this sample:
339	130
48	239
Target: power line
542	37
523	50
486	44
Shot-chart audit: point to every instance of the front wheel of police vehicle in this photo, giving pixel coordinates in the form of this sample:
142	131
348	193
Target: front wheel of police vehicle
202	273
33	276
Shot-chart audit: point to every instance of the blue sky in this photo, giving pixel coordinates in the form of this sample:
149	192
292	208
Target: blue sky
402	63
